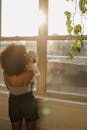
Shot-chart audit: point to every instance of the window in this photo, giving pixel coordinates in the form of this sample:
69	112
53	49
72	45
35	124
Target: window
60	77
57	19
65	75
19	18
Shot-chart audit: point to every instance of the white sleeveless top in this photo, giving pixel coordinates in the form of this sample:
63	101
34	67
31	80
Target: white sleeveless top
19	90
23	89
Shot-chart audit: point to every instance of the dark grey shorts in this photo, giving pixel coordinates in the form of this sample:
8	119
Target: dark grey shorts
23	106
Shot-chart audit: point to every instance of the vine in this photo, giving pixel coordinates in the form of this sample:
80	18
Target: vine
75	30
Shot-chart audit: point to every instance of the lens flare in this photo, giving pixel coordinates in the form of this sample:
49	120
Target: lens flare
46	111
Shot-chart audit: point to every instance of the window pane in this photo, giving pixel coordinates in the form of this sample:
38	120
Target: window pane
19	17
65	75
30	46
57	18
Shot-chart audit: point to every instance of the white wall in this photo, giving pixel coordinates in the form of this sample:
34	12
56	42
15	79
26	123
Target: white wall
54	115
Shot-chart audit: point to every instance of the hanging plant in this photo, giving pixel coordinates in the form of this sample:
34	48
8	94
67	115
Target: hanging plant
68	22
75	30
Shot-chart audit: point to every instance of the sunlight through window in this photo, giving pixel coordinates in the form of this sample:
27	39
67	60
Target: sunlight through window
19	17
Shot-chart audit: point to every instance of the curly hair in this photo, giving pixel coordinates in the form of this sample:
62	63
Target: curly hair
13	59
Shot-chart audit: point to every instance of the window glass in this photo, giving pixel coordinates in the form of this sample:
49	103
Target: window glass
19	17
65	75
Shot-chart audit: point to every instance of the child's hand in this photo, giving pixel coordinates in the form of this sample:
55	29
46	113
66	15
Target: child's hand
32	56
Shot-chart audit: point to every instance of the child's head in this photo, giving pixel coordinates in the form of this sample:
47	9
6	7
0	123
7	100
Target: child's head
13	59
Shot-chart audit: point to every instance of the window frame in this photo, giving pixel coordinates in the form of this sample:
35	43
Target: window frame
42	52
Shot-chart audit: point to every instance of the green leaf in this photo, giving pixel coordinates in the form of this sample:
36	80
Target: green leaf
68	14
77	29
68	22
69	29
70	56
74	47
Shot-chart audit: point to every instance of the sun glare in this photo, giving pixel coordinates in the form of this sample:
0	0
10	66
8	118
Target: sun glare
41	18
21	19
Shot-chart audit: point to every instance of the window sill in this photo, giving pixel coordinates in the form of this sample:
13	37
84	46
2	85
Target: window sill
43	99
